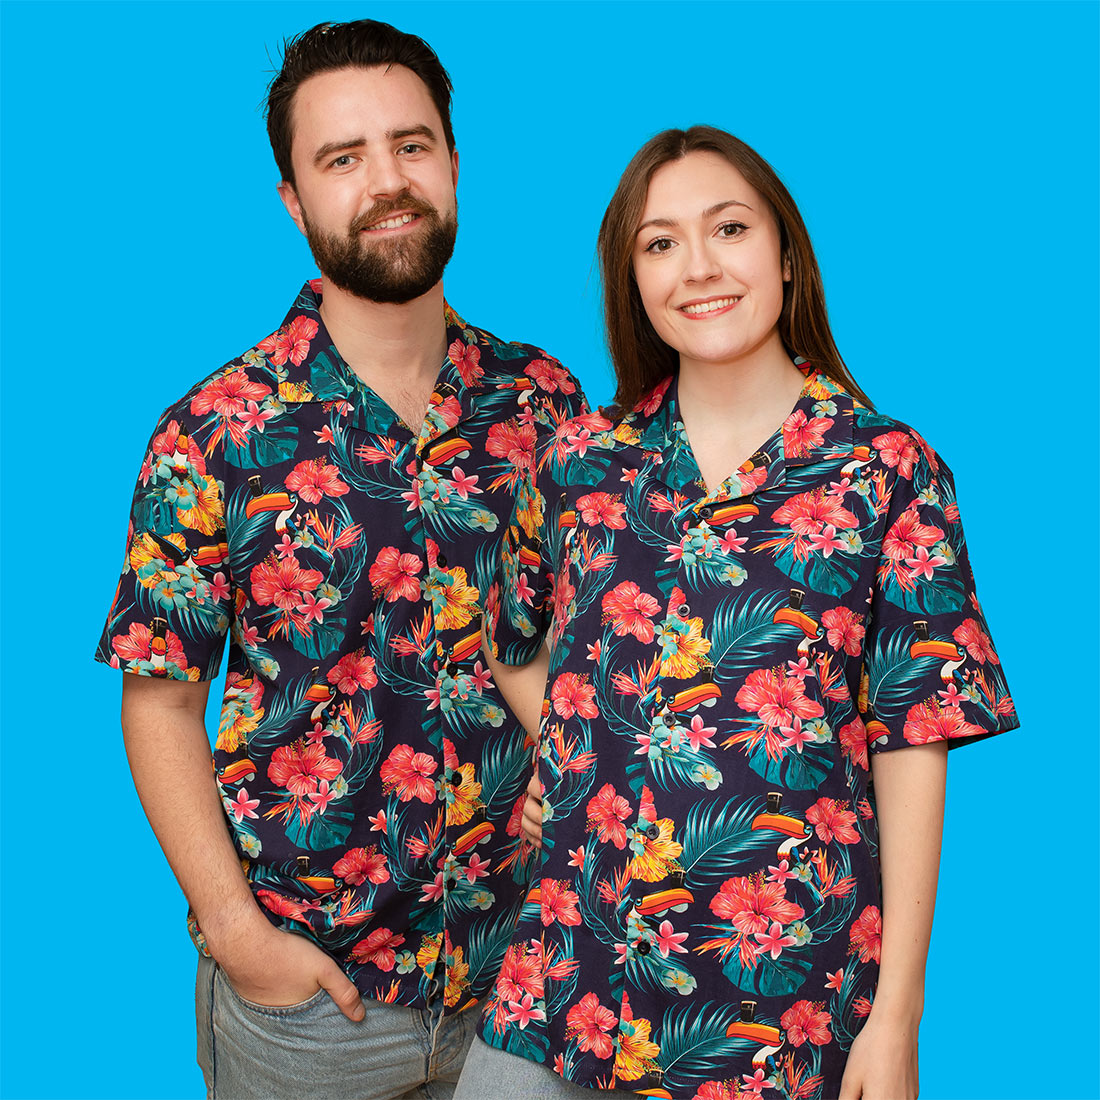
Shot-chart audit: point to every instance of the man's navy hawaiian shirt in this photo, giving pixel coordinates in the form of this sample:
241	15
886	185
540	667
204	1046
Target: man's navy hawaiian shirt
371	775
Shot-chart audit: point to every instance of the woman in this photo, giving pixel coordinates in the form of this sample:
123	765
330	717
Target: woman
754	588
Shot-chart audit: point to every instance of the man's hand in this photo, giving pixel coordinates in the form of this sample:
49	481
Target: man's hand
531	822
275	968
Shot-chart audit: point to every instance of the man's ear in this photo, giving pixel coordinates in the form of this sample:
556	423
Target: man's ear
293	206
454	168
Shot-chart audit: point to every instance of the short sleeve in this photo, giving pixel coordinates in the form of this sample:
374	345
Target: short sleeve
172	606
931	672
520	606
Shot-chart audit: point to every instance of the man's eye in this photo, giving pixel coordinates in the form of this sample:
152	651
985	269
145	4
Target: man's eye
342	162
412	147
661	244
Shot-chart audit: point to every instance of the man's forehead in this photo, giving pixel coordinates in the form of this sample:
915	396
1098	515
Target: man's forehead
372	101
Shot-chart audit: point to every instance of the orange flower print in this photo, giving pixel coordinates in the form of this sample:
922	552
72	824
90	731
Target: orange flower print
362	865
898	452
930	721
975	641
353	672
630	611
229	394
300	766
559	903
832	821
290	342
606	814
395	576
589	1022
844	629
602	510
752	903
378	948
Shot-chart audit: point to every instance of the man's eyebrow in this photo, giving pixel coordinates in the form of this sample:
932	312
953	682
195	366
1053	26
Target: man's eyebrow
331	147
668	223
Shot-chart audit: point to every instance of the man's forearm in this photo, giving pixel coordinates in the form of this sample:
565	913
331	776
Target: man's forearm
909	797
169	755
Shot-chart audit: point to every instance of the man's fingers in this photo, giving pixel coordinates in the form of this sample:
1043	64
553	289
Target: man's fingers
343	992
534	788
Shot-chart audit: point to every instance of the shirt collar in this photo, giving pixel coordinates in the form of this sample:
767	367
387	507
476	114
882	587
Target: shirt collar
819	427
314	370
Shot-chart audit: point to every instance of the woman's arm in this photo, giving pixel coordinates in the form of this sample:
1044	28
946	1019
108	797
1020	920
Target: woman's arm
524	688
909	797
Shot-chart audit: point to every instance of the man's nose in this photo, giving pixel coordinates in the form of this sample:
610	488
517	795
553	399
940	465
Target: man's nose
387	176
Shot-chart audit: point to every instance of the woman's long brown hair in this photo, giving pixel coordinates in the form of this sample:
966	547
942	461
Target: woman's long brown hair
640	357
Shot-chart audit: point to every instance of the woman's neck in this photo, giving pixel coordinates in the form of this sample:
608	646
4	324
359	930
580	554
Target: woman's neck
730	409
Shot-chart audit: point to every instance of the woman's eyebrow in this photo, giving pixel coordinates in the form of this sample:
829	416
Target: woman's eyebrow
668	223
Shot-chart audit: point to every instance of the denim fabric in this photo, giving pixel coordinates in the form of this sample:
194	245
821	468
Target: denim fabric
492	1074
254	1052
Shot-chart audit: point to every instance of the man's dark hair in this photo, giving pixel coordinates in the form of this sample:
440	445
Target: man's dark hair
363	44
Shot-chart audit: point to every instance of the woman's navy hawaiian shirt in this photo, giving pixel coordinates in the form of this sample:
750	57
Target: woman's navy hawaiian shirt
707	922
370	772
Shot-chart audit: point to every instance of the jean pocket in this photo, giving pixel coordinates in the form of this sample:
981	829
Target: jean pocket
220	977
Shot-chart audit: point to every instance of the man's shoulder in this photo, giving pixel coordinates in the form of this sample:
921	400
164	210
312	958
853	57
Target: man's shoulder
505	361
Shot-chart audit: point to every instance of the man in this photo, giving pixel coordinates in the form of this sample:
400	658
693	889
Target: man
334	500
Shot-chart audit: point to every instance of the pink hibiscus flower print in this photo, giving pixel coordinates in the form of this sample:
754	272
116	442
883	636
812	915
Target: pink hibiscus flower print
975	641
513	441
906	534
314	479
752	903
844	629
559	903
929	721
853	742
394	575
520	974
137	645
809	513
832	821
778	699
467	359
300	767
290	342
802	434
806	1022
362	865
897	450
282	582
589	1022
573	694
378	948
602	510
865	935
630	610
651	402
549	376
606	814
228	395
409	774
353	672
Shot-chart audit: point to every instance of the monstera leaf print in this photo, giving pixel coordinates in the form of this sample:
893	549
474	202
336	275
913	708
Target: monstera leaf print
771	975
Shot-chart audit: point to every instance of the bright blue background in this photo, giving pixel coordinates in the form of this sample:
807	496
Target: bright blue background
944	156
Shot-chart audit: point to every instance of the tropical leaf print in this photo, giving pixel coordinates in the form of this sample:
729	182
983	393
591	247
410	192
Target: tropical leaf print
718	838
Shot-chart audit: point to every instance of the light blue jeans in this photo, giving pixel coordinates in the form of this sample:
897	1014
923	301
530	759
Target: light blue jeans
254	1052
492	1074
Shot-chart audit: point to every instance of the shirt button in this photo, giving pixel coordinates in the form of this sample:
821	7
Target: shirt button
654	831
683	610
441	561
706	511
642	947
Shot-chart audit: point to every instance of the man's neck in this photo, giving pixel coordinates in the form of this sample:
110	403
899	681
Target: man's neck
405	343
397	349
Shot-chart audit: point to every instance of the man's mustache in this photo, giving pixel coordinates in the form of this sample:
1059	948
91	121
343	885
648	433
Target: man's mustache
384	207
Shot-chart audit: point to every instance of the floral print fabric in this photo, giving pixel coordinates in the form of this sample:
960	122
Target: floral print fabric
370	772
707	921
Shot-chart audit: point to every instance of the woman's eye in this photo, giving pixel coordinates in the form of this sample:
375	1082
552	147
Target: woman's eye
661	244
732	229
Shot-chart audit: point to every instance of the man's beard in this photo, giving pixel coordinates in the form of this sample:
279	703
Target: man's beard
389	270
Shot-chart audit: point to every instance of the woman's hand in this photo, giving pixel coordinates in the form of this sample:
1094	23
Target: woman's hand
882	1064
531	822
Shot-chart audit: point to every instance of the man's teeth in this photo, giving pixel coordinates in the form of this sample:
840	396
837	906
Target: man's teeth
393	223
710	307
